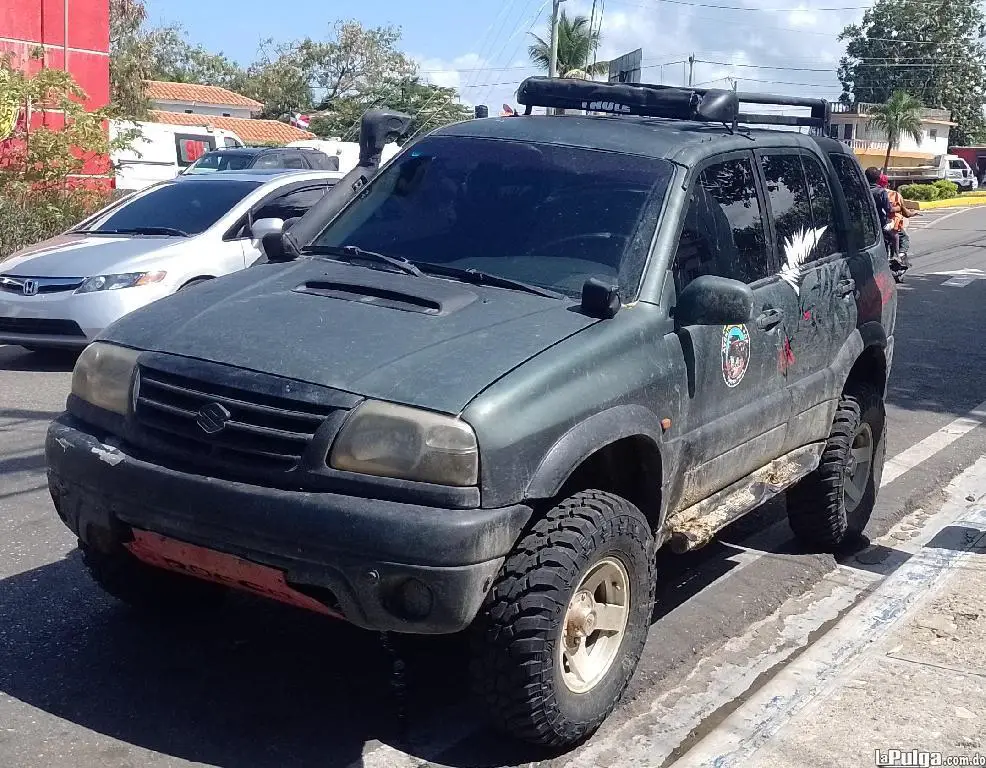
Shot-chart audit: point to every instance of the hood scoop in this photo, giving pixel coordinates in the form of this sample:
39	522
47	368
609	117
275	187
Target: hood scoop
432	297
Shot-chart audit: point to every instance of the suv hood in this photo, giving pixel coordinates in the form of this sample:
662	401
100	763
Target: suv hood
82	255
421	341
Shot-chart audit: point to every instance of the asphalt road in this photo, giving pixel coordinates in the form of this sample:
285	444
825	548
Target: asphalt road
83	683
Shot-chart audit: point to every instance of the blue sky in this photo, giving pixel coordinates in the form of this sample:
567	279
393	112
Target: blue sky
479	46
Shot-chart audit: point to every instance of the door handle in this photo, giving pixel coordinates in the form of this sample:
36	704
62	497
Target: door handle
769	318
846	287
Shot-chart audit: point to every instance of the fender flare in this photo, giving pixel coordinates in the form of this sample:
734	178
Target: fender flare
586	438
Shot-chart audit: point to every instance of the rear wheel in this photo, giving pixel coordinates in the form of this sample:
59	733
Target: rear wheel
565	623
835	502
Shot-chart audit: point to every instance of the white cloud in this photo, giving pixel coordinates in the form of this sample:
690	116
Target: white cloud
792	36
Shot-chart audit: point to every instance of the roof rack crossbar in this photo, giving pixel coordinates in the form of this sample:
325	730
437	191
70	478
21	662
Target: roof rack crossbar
674	102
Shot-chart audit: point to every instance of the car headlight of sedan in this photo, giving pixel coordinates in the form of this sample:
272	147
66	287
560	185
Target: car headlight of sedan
115	282
103	374
396	441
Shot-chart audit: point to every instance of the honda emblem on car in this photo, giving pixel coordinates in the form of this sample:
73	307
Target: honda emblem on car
212	418
29	287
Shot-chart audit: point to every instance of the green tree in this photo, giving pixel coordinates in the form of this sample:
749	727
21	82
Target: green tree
577	43
431	105
899	116
933	50
131	58
177	60
38	196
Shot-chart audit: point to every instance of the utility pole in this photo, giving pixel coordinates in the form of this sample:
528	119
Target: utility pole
691	69
553	58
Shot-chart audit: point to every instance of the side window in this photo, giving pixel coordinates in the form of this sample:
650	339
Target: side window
723	231
858	200
822	209
293	161
230	142
191	148
268	160
790	207
956	165
291	204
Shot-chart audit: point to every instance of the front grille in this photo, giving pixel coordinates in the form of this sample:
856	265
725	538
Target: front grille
11	284
40	326
263	431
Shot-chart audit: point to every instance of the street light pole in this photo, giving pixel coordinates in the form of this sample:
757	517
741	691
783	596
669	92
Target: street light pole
553	56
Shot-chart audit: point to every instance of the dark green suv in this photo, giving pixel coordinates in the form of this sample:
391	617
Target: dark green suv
483	390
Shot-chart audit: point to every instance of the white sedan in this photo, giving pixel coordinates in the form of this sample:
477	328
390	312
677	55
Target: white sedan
64	291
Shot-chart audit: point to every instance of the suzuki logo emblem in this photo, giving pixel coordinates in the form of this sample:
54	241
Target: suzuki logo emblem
212	418
29	287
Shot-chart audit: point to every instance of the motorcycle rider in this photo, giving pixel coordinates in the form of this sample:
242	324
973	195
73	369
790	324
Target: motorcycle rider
885	210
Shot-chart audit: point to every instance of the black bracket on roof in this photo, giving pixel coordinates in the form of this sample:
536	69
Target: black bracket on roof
645	100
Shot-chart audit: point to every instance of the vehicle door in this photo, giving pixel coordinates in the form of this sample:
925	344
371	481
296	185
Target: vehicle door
287	202
812	249
734	420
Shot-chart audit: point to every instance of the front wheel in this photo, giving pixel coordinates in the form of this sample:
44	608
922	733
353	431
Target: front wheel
564	625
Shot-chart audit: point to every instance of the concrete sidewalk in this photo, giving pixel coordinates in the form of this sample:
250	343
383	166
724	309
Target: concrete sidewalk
903	669
923	687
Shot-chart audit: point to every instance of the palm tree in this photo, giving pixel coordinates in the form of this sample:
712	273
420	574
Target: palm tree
899	116
577	42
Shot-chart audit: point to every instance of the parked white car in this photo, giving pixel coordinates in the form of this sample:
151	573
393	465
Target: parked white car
64	291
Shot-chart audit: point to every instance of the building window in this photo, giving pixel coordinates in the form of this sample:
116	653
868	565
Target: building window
933	134
188	111
226	114
847	132
833	131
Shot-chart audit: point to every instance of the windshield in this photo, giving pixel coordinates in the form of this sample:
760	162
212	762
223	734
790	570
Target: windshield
187	206
221	161
547	215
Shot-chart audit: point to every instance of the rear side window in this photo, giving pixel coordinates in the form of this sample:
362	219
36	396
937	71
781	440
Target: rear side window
324	162
858	200
191	148
790	206
723	232
269	160
822	209
294	161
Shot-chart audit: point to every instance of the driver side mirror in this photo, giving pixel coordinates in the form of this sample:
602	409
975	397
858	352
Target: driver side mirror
263	227
714	300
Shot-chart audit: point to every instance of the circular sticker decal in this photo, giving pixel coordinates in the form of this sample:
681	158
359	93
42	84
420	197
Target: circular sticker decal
735	354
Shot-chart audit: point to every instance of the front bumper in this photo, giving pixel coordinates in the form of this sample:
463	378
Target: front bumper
356	555
67	319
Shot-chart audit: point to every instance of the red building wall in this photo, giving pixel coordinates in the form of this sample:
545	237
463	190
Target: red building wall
26	25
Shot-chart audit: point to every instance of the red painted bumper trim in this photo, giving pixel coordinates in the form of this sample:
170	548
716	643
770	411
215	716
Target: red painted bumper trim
221	568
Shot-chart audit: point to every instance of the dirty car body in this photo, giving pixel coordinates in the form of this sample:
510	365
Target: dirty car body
439	412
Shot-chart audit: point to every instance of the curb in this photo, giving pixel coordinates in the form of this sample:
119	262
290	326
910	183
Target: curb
954	202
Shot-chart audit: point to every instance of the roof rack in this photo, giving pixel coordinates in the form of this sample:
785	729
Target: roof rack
667	101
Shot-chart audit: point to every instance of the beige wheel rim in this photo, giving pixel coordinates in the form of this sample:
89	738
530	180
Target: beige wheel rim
595	622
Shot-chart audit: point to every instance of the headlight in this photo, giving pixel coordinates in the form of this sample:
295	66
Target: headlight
102	376
395	441
113	282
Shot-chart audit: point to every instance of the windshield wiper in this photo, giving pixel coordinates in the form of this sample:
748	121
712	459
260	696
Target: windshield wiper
352	253
170	231
478	277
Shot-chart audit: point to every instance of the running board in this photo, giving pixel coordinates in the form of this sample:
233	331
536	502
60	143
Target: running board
695	526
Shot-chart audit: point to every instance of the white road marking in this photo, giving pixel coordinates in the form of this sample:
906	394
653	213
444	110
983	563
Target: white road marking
830	660
935	219
960	282
924	449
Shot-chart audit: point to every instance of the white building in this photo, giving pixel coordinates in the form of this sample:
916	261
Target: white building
193	99
851	124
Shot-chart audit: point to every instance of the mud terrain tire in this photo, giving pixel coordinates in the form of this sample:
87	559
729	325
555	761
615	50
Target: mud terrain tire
520	665
818	511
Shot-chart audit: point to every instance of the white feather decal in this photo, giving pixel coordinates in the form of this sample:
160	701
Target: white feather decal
797	249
